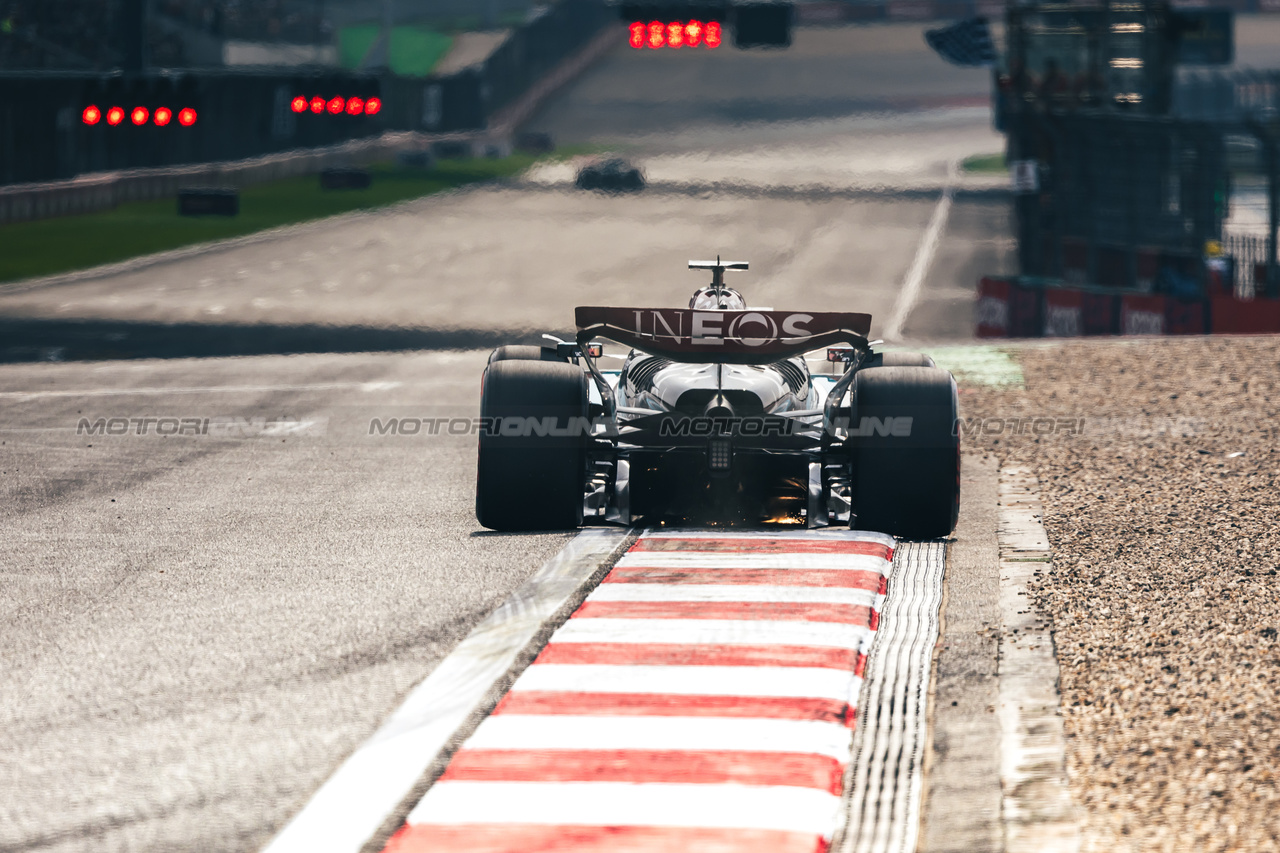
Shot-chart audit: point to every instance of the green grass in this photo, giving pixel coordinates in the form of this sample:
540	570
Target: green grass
50	246
985	163
980	365
414	50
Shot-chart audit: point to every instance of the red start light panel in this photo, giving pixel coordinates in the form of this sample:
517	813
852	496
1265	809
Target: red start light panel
675	34
337	105
138	116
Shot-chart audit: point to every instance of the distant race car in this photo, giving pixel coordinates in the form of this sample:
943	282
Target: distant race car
612	175
715	415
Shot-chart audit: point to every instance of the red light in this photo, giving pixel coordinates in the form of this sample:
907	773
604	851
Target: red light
373	106
299	104
164	115
675	35
115	115
139	115
693	33
336	105
712	36
638	30
91	115
355	106
657	34
317	104
186	116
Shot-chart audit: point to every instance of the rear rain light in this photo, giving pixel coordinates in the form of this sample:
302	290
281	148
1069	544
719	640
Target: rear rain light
91	115
139	116
719	454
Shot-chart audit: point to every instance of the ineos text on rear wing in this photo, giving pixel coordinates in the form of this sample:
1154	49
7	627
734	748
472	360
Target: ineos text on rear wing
731	337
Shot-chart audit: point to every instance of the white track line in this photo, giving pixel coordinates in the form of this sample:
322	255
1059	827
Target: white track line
789	809
731	593
822	535
350	807
789	681
734	734
910	292
725	560
712	632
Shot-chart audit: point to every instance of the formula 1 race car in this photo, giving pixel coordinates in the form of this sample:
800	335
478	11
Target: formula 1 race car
715	416
613	175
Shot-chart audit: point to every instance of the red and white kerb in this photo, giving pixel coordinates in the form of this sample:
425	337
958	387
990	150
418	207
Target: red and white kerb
702	698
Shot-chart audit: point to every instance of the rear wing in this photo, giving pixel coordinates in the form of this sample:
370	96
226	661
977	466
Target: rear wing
730	337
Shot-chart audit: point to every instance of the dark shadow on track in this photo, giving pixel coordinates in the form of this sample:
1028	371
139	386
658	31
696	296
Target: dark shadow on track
803	192
93	340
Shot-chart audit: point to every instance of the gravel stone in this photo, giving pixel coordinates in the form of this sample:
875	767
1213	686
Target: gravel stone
1162	514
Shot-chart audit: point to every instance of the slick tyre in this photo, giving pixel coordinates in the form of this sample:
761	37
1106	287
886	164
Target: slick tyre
531	467
521	352
906	454
900	359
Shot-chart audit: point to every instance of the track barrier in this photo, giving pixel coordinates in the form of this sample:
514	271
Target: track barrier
1008	307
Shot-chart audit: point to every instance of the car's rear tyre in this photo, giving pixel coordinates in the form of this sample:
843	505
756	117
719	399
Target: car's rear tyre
906	473
532	459
524	352
899	359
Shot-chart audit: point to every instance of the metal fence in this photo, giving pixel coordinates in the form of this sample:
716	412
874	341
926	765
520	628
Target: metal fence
1156	202
1241	97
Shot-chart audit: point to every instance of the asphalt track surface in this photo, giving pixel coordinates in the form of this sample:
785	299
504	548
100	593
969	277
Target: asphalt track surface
199	628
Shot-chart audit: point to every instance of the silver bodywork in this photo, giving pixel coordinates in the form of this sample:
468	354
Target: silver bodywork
651	382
